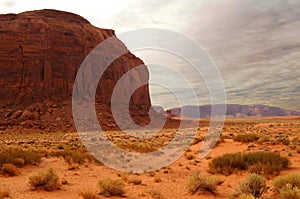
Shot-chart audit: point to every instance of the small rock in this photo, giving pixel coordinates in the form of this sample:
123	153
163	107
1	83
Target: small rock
58	119
26	115
16	114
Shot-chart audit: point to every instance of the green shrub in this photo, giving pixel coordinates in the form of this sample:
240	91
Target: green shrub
197	181
259	162
290	192
47	180
9	169
292	179
246	138
111	187
254	185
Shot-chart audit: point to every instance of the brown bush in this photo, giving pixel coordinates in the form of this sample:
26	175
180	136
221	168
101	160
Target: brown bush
47	180
9	169
111	187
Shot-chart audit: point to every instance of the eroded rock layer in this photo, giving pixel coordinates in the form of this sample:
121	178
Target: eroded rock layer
40	54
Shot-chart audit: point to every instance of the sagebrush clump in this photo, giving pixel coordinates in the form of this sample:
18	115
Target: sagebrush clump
20	157
111	187
291	179
47	180
257	162
246	138
74	157
289	192
197	181
255	185
9	169
87	193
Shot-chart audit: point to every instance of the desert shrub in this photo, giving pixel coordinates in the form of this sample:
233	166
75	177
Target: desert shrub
254	185
265	168
264	139
250	137
246	196
190	157
64	181
19	162
157	179
20	157
228	163
87	194
4	193
47	180
74	157
283	139
9	169
111	187
196	140
292	179
290	192
197	181
155	194
135	180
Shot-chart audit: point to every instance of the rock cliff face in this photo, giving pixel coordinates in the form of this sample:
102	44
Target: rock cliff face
40	54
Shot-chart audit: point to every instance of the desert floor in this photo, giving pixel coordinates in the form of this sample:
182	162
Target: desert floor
278	134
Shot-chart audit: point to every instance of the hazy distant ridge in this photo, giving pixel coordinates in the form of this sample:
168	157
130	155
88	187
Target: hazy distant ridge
234	110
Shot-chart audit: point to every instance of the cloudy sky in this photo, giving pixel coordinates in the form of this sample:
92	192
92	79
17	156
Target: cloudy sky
255	44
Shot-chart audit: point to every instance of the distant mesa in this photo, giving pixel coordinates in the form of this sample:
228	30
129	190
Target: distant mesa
234	110
40	54
158	108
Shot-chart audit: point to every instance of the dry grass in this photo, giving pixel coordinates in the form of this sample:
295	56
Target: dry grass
87	194
246	196
74	157
155	194
20	157
250	137
198	182
111	187
135	180
47	180
255	185
292	179
289	192
257	162
9	169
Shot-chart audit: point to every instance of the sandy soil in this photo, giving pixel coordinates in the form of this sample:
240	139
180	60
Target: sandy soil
173	178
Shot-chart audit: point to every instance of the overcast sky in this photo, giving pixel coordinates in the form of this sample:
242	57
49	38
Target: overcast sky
255	44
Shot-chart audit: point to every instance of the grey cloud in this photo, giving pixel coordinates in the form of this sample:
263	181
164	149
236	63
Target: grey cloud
255	44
